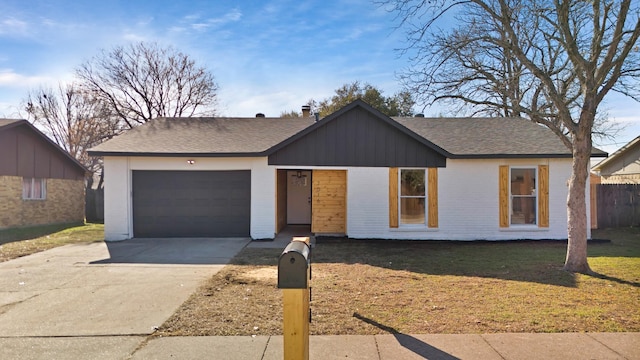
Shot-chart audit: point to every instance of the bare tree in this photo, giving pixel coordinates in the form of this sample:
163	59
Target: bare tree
552	61
144	81
72	119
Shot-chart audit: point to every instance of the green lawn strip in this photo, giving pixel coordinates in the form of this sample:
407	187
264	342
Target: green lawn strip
26	241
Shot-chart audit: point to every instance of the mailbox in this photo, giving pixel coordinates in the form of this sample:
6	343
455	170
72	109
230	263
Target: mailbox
294	267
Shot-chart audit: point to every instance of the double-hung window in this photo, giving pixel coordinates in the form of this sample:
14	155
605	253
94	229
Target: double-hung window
524	197
34	189
412	197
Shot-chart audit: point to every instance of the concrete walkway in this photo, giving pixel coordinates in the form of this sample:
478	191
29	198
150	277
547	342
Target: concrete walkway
566	346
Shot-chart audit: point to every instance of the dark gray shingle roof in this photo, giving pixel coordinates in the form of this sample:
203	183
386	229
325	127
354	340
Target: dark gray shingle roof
5	122
452	137
206	136
478	137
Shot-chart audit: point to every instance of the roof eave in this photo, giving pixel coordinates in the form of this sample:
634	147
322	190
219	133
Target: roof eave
174	154
616	154
510	156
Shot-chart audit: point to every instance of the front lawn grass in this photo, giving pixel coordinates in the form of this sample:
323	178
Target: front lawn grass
374	287
15	243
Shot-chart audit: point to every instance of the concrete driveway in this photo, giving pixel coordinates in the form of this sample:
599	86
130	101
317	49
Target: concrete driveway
105	289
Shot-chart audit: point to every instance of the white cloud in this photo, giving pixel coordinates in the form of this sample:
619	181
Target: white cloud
13	26
52	26
9	111
9	78
198	23
200	26
133	37
177	29
232	16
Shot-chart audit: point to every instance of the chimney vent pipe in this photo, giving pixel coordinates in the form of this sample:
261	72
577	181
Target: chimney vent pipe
306	111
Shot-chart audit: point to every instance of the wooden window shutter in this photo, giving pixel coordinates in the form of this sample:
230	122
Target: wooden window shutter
543	196
393	197
503	183
433	197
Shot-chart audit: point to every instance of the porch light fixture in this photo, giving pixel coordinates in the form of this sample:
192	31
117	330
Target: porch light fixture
299	174
191	162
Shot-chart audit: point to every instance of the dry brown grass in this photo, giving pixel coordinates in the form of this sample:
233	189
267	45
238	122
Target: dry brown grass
427	287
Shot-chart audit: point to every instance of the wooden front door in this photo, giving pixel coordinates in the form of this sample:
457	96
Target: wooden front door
329	202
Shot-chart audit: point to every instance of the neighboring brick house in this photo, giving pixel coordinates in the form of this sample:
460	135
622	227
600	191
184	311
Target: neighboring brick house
623	166
40	183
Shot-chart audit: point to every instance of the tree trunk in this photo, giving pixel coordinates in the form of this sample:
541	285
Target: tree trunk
576	260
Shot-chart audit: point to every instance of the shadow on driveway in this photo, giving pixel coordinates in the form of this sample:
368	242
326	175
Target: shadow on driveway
174	251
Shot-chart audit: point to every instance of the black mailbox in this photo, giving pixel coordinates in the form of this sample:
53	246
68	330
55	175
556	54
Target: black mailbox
294	267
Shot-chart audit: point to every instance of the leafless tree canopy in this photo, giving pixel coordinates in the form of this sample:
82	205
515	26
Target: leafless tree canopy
552	61
72	119
538	59
144	81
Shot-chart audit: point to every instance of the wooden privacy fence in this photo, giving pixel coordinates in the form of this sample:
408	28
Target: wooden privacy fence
618	205
94	205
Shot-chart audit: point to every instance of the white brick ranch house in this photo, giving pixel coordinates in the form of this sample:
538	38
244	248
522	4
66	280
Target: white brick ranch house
355	172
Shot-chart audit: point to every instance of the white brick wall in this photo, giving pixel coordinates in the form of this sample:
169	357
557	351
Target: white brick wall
118	215
117	199
467	203
467	198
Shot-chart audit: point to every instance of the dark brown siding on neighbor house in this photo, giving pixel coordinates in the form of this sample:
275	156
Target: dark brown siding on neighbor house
357	138
25	153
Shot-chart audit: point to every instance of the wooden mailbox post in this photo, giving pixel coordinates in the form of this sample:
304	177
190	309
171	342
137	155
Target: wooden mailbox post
294	275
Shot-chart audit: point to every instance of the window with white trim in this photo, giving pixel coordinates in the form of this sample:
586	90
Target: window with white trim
412	197
34	189
524	197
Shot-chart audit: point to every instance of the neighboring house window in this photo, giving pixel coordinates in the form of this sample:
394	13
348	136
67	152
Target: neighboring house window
34	189
413	197
524	196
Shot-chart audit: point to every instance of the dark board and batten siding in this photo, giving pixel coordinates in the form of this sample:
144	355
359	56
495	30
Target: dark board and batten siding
25	153
357	138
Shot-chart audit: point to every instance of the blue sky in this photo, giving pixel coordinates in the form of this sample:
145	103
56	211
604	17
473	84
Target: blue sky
267	56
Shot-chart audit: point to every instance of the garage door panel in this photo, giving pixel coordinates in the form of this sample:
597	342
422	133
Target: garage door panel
191	203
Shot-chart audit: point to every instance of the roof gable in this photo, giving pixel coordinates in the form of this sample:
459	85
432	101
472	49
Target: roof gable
627	154
357	135
30	153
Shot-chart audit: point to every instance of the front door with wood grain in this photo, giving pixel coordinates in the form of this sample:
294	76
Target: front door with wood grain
329	202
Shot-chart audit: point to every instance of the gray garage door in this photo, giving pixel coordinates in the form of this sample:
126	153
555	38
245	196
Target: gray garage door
191	203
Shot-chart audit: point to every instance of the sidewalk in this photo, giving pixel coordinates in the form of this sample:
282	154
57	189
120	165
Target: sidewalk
511	346
385	347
